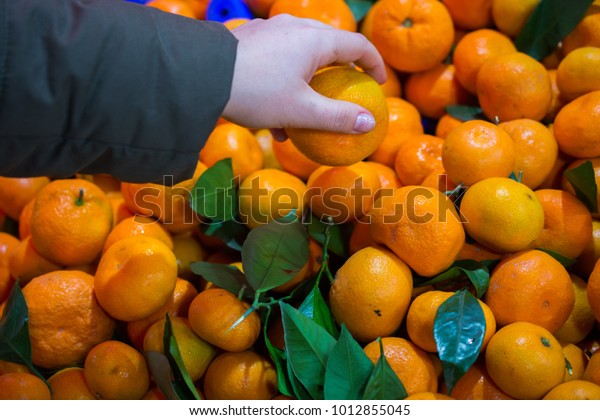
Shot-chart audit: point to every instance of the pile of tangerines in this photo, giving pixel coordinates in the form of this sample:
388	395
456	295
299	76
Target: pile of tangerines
100	262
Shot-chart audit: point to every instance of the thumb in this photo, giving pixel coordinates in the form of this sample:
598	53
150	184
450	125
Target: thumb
328	114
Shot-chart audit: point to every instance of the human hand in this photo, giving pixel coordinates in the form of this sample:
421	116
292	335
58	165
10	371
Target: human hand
276	59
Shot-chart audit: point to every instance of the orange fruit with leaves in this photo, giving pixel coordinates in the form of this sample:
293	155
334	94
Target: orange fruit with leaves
70	221
404	122
371	293
15	193
579	72
233	141
509	16
514	85
575	126
575	361
23	386
196	353
176	306
270	194
344	193
525	360
566	185
536	150
332	12
420	225
476	150
244	375
470	15
587	31
340	149
567	223
421	315
212	315
69	384
412	365
474	49
136	225
531	286
65	318
292	160
431	91
412	35
417	157
114	370
502	214
121	282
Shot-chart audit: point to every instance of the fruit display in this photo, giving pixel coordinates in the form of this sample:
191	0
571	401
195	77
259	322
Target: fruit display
452	252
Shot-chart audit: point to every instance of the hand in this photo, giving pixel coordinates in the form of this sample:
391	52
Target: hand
276	59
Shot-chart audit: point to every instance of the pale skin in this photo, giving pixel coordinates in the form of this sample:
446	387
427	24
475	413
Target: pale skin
276	59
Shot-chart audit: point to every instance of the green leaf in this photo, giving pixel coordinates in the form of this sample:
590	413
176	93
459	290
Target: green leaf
307	348
339	235
215	194
458	329
465	112
300	391
348	369
477	272
183	383
273	254
160	368
516	177
359	8
583	180
232	233
565	261
278	357
15	345
315	308
225	276
384	384
549	23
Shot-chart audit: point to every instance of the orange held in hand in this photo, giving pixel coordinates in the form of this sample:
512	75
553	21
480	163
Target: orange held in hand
338	149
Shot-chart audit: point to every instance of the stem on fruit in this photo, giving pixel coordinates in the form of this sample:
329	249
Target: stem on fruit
79	200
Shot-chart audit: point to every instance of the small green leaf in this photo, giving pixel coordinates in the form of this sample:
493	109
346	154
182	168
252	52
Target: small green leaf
583	180
160	368
232	233
359	8
348	369
225	276
458	329
549	23
477	272
516	177
384	384
278	357
465	112
565	261
300	392
273	254
307	348
182	381
339	235
15	345
315	308
215	194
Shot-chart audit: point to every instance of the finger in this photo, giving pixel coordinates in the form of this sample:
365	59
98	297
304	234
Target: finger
322	113
352	47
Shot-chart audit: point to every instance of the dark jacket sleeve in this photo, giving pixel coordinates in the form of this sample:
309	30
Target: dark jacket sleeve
108	86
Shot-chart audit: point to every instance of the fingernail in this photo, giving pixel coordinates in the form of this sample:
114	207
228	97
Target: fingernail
364	122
